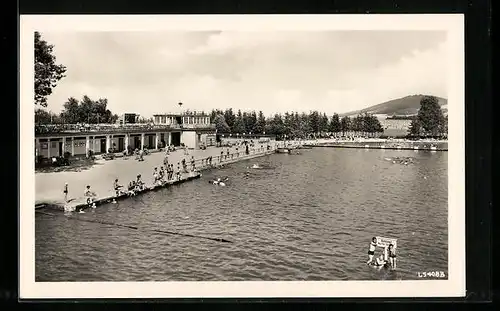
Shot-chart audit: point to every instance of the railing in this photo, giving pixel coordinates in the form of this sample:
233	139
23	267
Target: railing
225	158
89	128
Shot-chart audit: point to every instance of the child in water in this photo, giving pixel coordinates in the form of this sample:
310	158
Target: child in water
392	256
371	250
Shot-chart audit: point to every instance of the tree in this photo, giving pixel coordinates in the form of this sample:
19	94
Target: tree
288	124
323	123
314	122
415	127
334	125
230	118
345	124
88	111
239	124
221	125
260	125
276	126
46	117
250	120
47	72
431	116
357	124
371	124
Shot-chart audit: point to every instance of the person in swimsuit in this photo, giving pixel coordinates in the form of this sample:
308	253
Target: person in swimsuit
117	187
371	250
392	256
139	183
161	175
89	194
65	191
155	176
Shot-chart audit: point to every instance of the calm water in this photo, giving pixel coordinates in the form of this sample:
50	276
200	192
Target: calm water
304	217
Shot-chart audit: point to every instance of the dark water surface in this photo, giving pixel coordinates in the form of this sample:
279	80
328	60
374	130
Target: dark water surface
304	217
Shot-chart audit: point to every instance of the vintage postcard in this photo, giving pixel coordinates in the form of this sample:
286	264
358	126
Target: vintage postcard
242	156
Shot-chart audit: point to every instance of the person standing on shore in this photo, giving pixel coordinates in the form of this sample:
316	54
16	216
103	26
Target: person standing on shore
178	171
65	191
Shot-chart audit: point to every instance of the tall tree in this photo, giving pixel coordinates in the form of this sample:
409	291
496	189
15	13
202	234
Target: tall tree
260	125
314	121
323	123
221	125
334	125
250	121
43	116
345	124
288	124
239	124
431	116
47	72
230	118
415	128
276	126
88	111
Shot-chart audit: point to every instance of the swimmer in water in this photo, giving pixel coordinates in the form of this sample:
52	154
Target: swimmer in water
392	256
371	250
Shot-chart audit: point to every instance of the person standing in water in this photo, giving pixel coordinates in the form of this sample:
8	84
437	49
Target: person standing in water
371	250
392	256
65	191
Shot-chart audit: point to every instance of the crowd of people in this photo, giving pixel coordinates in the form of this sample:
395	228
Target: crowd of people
165	173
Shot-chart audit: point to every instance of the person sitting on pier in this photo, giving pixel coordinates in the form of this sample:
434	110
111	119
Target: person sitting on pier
192	163
117	187
184	166
161	175
139	183
131	188
90	195
169	174
155	176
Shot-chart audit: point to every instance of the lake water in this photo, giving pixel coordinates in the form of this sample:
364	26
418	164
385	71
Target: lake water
302	217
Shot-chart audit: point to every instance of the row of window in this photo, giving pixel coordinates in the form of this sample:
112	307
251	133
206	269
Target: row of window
186	120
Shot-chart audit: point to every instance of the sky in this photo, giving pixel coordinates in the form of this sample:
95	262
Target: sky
329	71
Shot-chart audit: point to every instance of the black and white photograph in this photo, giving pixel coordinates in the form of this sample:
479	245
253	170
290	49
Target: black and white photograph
242	156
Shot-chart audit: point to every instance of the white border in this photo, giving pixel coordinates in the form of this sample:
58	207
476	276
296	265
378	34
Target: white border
453	287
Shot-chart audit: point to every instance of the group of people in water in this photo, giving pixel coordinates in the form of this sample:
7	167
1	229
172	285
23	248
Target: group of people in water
386	260
401	160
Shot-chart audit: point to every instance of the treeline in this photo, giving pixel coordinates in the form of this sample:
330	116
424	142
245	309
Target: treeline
293	124
85	111
430	120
